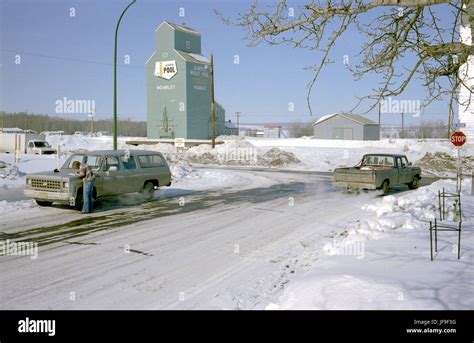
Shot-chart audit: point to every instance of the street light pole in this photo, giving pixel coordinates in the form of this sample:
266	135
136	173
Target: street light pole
115	73
213	105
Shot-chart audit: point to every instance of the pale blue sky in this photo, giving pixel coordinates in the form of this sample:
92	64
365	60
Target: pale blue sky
64	56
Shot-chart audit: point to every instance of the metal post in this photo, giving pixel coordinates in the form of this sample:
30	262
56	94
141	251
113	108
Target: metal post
115	73
459	241
213	105
436	236
472	183
403	127
379	113
439	202
455	210
459	173
431	240
444	207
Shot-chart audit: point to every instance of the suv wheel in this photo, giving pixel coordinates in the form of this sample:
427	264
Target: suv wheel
385	187
79	201
148	190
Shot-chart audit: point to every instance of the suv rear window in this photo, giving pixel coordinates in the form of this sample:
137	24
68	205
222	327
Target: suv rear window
150	161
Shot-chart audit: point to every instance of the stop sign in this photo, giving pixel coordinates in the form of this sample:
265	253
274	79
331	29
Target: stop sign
458	138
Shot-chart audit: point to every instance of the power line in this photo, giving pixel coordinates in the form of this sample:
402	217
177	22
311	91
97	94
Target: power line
70	59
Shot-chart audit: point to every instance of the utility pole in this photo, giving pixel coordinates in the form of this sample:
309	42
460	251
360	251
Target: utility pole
115	73
213	105
92	115
238	126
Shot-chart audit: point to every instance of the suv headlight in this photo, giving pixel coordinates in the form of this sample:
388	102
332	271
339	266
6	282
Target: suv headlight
28	182
65	184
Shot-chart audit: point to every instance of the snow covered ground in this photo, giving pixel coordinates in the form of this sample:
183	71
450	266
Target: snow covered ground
382	260
240	239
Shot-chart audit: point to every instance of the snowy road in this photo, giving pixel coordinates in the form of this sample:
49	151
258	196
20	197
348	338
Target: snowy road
233	247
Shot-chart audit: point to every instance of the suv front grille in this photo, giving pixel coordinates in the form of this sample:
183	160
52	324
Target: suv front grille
46	185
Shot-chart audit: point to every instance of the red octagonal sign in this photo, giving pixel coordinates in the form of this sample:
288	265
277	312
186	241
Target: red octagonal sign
458	138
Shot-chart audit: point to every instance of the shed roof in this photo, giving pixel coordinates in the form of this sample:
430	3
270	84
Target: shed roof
354	117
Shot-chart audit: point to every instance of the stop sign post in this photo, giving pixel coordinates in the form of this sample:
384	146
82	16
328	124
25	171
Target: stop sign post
458	139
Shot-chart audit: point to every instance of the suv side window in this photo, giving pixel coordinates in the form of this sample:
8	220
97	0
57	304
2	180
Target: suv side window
129	163
111	161
150	161
30	145
93	161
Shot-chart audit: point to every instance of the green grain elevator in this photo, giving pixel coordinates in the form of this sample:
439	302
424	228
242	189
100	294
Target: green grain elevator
179	86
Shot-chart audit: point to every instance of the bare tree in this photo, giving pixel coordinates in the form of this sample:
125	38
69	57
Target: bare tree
299	129
407	39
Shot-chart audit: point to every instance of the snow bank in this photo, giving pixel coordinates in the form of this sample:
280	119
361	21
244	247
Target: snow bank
382	260
443	164
344	292
8	207
276	157
239	152
180	170
68	144
9	171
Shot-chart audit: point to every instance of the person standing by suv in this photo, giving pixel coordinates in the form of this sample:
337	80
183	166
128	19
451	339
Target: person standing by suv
88	178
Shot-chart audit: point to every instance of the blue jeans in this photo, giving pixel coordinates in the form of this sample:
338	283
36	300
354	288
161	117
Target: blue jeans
88	198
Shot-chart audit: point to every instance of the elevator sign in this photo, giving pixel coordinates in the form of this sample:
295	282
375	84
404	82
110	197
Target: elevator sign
166	69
